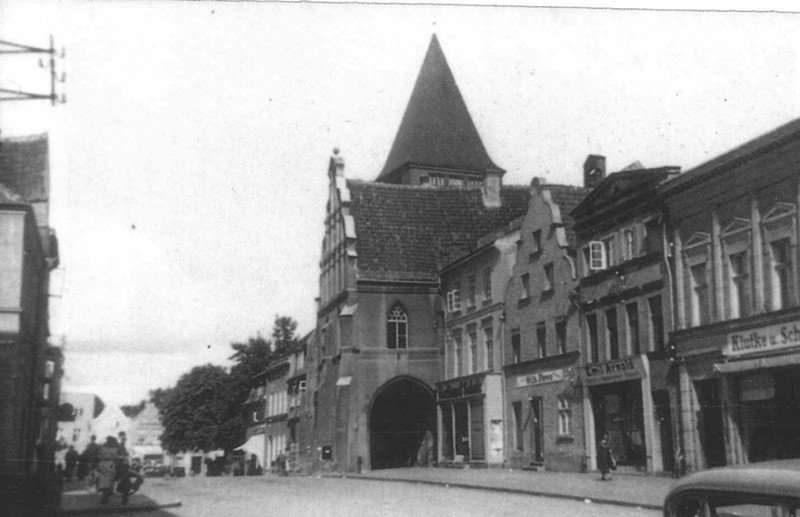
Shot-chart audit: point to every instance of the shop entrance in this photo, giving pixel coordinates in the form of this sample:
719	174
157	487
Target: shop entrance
770	409
402	413
618	411
709	422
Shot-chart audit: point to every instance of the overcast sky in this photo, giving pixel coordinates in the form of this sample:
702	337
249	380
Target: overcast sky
188	167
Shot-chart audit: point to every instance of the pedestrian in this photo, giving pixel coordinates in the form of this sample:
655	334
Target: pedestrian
108	460
124	471
280	464
71	461
605	459
88	461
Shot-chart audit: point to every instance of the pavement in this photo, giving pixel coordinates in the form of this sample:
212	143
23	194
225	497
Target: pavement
78	499
624	489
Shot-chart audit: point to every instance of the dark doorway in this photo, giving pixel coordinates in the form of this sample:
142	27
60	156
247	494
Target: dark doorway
709	422
664	419
537	427
402	412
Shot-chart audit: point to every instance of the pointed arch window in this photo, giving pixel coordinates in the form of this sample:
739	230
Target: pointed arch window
397	328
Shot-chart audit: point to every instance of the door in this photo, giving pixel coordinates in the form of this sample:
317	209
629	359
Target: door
664	419
537	430
477	448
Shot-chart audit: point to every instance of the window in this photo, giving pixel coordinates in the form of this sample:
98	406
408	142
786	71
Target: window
76	435
548	278
487	285
612	334
541	339
457	345
472	338
564	416
488	344
561	336
302	387
519	425
536	241
516	346
628	244
656	323
591	334
699	294
526	286
424	181
397	328
454	298
780	255
611	251
738	284
632	316
596	256
471	287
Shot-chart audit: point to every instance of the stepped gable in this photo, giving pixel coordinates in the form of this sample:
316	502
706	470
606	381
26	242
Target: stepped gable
436	129
567	197
24	166
403	233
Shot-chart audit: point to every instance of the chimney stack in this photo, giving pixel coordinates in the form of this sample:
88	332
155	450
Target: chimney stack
594	170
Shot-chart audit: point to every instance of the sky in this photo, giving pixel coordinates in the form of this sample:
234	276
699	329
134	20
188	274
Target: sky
188	165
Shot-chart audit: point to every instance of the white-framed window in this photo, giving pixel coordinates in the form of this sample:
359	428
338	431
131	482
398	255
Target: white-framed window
488	346
698	275
549	283
738	284
628	243
564	416
397	328
780	234
301	387
454	300
781	273
596	256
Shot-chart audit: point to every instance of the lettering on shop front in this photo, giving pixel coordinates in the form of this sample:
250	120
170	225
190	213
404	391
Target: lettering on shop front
763	339
540	378
462	389
613	371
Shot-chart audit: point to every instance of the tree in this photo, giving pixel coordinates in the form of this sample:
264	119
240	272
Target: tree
159	395
283	334
131	410
202	412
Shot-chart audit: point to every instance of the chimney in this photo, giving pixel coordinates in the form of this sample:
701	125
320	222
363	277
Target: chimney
594	170
492	182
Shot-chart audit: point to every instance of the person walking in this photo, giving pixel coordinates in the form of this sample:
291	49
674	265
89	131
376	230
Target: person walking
88	462
71	461
605	459
108	460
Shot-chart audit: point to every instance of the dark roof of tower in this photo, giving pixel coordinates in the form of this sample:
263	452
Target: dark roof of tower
437	129
406	233
24	167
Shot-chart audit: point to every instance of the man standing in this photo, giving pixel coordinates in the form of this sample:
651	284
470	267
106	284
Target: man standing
605	459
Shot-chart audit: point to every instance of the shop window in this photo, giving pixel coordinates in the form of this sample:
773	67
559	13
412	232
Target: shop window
561	336
699	280
612	333
471	287
518	425
564	416
781	262
738	284
541	339
593	345
549	285
632	316
397	328
656	323
487	285
628	244
472	338
516	346
488	344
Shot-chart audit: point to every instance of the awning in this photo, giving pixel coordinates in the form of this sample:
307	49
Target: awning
254	445
744	365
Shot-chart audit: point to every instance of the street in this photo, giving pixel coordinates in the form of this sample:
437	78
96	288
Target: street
312	496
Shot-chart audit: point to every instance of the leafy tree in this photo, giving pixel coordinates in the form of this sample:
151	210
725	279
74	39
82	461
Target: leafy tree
250	358
283	334
131	410
159	395
201	412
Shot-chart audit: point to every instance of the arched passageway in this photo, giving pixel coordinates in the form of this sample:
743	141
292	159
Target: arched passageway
402	425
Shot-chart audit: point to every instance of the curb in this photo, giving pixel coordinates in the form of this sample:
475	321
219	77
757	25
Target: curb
105	510
518	491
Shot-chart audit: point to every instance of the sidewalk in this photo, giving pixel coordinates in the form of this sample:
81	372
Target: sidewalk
633	490
77	499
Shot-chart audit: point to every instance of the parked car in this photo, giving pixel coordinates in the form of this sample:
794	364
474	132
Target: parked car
767	489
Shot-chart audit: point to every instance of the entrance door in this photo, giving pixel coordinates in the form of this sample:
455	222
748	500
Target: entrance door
477	449
664	419
709	423
537	430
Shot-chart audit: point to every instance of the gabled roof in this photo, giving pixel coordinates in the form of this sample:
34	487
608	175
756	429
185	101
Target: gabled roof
406	233
567	197
437	129
24	166
748	151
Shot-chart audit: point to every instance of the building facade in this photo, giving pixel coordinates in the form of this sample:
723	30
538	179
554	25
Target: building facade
625	304
542	337
735	268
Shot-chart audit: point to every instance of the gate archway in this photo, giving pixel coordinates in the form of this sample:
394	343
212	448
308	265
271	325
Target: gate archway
402	412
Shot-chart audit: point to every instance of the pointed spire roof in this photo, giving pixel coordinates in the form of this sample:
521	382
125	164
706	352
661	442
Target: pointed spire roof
437	129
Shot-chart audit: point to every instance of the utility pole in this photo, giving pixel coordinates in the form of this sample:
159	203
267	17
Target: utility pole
11	48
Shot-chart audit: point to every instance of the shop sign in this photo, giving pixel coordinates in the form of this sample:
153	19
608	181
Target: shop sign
461	389
540	378
765	339
615	371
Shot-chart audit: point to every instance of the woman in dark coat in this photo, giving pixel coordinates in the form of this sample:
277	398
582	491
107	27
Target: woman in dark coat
605	460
